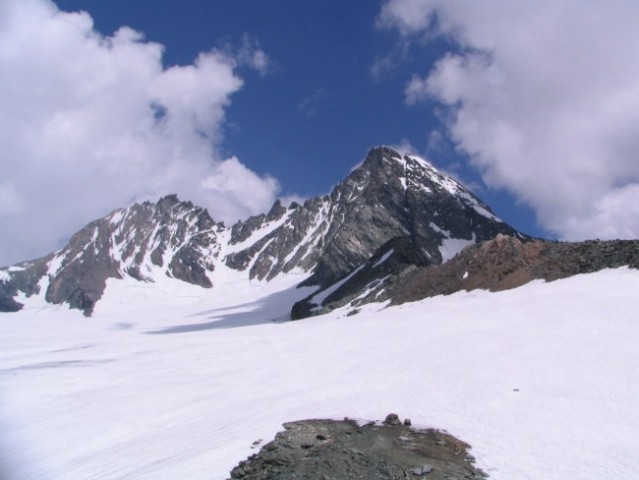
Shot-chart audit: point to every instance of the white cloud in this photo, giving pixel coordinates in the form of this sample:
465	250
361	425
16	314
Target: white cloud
544	97
416	90
90	123
233	187
310	105
252	55
404	147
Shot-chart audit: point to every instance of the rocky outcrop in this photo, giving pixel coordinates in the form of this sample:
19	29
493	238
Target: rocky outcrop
331	449
506	262
397	273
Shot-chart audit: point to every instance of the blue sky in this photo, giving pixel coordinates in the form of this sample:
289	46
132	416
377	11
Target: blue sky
234	103
320	107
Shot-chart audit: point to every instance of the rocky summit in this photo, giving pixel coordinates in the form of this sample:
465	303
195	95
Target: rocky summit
389	229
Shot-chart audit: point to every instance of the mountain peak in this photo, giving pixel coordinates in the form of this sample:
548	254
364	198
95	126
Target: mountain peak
390	207
382	153
168	201
379	154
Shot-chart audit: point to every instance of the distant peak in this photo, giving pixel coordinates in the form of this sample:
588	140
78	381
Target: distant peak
386	150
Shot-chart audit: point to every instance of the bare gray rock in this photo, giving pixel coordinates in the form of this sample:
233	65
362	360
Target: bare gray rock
346	450
392	419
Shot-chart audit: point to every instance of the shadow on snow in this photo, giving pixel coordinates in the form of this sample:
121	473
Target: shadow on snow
274	308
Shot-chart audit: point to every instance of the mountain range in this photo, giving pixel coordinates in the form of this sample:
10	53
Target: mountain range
396	229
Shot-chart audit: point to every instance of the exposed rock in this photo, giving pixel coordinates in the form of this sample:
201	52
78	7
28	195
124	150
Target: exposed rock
386	198
423	470
392	419
170	238
497	264
7	302
25	278
344	450
506	262
399	210
392	197
363	285
381	235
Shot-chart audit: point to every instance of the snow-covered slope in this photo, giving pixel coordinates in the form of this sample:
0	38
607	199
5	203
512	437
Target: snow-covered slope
542	380
386	198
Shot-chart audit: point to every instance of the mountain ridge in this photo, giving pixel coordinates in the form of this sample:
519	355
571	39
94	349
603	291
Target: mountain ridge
386	198
501	263
394	230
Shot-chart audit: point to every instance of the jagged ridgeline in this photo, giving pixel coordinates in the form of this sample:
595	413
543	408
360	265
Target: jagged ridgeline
390	217
400	208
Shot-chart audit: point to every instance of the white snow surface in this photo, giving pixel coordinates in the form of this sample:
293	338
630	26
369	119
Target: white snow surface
452	246
385	257
452	186
542	381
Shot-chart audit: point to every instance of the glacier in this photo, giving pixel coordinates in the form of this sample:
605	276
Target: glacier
168	381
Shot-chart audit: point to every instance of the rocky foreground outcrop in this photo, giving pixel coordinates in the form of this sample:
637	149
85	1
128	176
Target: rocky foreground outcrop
348	450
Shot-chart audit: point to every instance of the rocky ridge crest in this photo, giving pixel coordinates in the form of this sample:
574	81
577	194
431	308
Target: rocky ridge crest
387	200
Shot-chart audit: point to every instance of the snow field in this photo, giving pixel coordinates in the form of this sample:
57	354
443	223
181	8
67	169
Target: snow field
542	381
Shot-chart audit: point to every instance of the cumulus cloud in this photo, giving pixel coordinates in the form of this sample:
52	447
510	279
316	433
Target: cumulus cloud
543	97
90	123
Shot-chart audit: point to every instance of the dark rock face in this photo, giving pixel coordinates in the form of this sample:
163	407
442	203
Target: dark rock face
330	449
7	302
79	278
24	278
390	199
386	197
363	284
